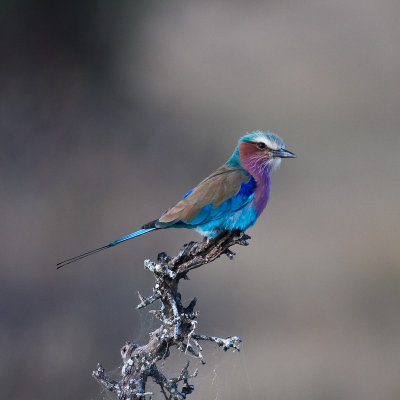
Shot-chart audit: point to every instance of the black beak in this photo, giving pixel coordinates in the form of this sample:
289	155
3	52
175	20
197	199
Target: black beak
283	153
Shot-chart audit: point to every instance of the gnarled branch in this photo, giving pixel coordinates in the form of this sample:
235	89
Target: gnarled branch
178	324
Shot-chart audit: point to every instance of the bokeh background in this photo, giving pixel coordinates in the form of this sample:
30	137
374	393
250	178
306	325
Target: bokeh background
110	111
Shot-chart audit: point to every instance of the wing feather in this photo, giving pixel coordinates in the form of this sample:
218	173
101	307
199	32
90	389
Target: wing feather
206	198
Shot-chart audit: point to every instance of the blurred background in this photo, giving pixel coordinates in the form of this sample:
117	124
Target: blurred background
111	111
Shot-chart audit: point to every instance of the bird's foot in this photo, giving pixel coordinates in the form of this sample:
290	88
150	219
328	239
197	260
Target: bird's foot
230	254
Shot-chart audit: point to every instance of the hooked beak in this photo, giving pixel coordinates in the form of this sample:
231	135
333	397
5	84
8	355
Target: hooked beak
283	153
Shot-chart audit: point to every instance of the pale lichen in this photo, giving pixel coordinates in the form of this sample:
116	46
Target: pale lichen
178	324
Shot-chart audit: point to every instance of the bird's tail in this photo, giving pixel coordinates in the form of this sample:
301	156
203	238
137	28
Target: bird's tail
89	253
131	236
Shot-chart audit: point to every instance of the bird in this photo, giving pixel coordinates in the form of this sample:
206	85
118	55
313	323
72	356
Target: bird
231	198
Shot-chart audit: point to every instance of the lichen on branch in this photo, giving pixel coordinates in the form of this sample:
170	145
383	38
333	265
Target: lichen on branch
178	324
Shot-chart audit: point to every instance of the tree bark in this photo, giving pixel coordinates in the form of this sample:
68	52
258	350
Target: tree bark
178	324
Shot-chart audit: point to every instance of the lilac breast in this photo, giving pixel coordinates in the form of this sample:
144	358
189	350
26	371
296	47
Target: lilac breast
261	195
258	167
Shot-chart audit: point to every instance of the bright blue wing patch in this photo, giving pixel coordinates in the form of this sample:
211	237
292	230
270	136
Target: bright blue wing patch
248	188
187	194
245	194
228	207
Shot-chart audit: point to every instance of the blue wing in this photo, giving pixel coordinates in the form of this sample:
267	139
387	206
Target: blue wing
228	207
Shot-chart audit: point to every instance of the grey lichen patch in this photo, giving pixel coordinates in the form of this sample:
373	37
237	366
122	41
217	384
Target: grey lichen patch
178	325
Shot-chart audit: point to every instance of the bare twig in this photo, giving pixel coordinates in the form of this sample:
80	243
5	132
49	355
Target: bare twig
178	324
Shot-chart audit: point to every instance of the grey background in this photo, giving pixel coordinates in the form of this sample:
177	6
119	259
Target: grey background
111	111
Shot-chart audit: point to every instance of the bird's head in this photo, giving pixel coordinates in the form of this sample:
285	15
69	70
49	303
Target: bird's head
260	150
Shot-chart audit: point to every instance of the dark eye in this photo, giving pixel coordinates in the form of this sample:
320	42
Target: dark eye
261	145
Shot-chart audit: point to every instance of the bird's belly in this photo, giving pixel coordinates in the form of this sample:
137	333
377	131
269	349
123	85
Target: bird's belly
238	220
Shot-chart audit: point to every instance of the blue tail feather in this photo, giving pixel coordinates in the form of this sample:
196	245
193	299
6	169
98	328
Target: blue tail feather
89	253
132	235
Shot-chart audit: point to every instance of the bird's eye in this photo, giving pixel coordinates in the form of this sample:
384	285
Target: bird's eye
261	145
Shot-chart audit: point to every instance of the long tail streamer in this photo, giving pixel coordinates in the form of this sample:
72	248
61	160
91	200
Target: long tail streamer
89	253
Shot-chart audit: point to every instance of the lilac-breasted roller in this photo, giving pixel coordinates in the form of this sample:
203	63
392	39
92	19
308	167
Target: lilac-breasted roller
231	198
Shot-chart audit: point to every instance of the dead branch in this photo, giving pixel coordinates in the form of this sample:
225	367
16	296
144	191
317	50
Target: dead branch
178	324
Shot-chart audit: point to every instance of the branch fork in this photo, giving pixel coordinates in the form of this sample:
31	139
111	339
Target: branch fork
178	324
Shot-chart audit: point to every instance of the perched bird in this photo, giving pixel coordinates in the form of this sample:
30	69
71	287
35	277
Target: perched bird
231	198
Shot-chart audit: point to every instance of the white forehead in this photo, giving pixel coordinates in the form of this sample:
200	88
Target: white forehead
269	143
271	140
